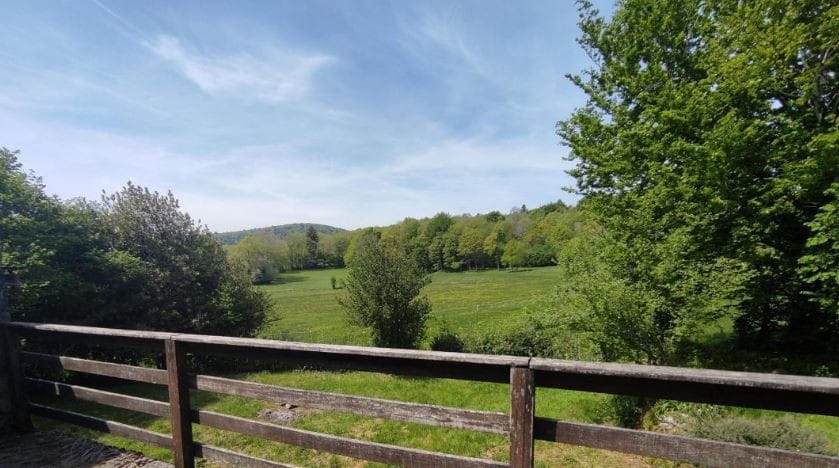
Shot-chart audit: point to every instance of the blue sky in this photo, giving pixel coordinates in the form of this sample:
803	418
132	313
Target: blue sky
347	113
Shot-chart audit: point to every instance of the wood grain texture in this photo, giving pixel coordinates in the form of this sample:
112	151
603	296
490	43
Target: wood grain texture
140	405
110	337
120	371
102	425
483	421
180	410
338	445
816	395
231	458
522	406
677	448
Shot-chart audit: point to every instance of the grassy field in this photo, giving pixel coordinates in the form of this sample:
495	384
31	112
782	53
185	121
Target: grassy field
471	303
306	308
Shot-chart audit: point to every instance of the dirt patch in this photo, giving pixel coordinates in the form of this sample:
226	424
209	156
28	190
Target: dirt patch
60	450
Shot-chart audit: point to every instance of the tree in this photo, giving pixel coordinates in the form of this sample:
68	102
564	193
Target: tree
514	254
710	138
312	240
495	242
297	250
382	293
262	257
132	261
470	247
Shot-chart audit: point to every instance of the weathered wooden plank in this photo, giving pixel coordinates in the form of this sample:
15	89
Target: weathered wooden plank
155	438
141	405
339	445
230	458
180	410
102	425
817	395
17	412
110	337
678	448
483	421
396	361
522	405
120	371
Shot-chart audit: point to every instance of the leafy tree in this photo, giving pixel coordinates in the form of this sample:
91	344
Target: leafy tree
383	286
470	247
298	252
710	138
514	254
495	241
312	240
132	261
262	257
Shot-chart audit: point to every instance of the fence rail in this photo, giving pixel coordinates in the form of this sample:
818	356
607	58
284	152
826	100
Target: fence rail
813	395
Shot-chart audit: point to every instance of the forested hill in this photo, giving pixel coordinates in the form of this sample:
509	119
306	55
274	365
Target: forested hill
282	231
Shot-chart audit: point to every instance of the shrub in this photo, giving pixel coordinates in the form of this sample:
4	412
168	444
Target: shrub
447	340
334	282
784	433
534	339
383	286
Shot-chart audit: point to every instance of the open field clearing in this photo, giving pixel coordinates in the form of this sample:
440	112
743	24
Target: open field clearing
306	307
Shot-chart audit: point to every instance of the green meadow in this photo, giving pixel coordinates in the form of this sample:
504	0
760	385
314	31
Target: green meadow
306	309
306	306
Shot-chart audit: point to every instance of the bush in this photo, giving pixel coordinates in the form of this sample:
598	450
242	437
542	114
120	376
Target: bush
447	340
334	282
784	433
534	340
383	287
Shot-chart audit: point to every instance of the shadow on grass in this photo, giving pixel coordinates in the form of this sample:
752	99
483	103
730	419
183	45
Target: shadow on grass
289	278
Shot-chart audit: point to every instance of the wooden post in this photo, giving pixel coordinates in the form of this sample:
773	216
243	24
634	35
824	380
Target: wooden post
180	410
522	403
14	407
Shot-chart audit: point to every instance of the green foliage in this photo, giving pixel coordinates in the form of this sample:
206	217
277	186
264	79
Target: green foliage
383	286
447	340
312	240
132	261
785	433
708	145
281	232
262	257
334	282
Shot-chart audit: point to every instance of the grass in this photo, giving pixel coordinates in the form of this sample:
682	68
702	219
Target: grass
470	302
483	396
306	307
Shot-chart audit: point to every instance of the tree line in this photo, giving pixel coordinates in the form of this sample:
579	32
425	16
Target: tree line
520	238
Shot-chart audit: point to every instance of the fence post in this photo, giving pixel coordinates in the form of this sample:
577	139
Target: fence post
522	403
179	407
14	408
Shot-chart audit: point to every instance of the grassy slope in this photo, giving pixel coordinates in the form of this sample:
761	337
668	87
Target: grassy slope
472	302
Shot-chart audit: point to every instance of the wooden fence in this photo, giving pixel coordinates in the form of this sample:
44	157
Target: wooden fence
813	395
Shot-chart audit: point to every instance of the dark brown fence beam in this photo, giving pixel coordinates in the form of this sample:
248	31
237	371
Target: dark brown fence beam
208	452
231	458
677	448
132	403
87	366
816	395
483	421
338	445
108	337
522	405
180	411
461	366
102	425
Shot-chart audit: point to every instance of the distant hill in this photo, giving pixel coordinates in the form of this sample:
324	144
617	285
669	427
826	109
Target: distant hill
282	231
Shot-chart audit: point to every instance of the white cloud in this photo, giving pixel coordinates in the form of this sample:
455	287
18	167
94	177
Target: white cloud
273	76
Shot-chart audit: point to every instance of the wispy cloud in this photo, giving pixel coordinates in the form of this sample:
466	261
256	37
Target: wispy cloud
274	76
